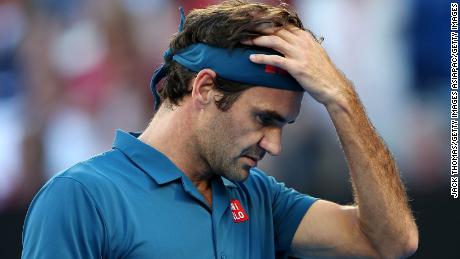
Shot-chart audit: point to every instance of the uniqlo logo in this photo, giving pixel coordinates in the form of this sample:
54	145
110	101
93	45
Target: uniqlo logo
238	212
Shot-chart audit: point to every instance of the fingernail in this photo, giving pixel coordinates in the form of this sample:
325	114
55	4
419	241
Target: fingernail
252	57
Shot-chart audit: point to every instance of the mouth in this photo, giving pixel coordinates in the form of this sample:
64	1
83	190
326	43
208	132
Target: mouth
252	161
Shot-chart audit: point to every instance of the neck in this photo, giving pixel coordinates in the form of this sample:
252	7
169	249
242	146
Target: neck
170	133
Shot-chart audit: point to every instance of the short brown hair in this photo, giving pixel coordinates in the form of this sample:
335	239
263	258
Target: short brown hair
222	25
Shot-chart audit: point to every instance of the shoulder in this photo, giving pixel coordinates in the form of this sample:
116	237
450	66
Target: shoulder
101	171
260	181
82	193
98	178
259	186
262	185
96	168
257	177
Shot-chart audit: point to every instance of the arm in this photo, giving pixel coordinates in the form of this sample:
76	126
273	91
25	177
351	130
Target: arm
380	225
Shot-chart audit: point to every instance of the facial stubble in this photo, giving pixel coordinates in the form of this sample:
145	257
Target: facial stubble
220	150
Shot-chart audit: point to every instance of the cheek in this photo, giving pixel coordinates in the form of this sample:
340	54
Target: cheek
240	133
246	138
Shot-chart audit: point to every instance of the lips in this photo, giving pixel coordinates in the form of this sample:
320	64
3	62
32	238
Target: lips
252	160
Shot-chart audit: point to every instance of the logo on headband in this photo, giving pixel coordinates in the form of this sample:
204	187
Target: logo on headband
275	70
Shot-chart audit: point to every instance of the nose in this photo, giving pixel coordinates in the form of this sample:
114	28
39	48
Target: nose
271	141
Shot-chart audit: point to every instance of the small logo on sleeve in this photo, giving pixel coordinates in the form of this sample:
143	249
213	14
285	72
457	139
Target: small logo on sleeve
238	212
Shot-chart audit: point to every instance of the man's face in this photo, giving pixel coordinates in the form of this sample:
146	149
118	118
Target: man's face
233	141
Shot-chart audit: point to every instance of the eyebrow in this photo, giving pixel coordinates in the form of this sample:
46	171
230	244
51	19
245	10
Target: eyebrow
276	116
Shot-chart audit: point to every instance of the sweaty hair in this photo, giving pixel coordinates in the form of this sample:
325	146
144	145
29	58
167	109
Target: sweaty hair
222	25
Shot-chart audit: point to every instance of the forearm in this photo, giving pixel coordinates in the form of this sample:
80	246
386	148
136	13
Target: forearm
384	215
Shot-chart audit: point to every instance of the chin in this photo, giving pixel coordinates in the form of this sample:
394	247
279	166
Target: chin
239	176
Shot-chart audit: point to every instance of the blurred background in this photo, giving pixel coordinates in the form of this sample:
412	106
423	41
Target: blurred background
73	71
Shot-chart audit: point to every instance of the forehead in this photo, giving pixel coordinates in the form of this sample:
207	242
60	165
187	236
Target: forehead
284	102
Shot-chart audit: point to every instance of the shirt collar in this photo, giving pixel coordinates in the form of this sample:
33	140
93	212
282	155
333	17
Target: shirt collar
150	160
153	162
228	183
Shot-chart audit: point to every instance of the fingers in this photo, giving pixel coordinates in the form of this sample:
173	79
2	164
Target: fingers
301	33
309	35
283	40
273	60
266	28
286	35
289	33
295	30
281	32
270	41
304	34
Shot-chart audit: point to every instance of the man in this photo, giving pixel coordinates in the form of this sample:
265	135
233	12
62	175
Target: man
188	186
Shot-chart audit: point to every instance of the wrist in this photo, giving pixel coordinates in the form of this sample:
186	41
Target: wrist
343	100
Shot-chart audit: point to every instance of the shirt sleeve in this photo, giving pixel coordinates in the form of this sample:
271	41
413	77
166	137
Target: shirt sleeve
63	221
289	207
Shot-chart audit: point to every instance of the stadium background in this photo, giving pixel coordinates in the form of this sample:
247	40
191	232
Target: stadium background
72	71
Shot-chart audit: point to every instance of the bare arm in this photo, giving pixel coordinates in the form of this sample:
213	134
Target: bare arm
380	225
384	215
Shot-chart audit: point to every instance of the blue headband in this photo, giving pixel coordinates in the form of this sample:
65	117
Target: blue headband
230	64
234	64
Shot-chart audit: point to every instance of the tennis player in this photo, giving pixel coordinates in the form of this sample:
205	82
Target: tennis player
189	186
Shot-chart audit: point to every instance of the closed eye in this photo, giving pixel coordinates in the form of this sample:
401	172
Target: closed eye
271	118
265	120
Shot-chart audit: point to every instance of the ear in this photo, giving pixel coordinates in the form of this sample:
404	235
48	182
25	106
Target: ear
203	88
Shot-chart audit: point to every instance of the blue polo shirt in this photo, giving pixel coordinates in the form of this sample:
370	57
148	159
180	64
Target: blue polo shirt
133	202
